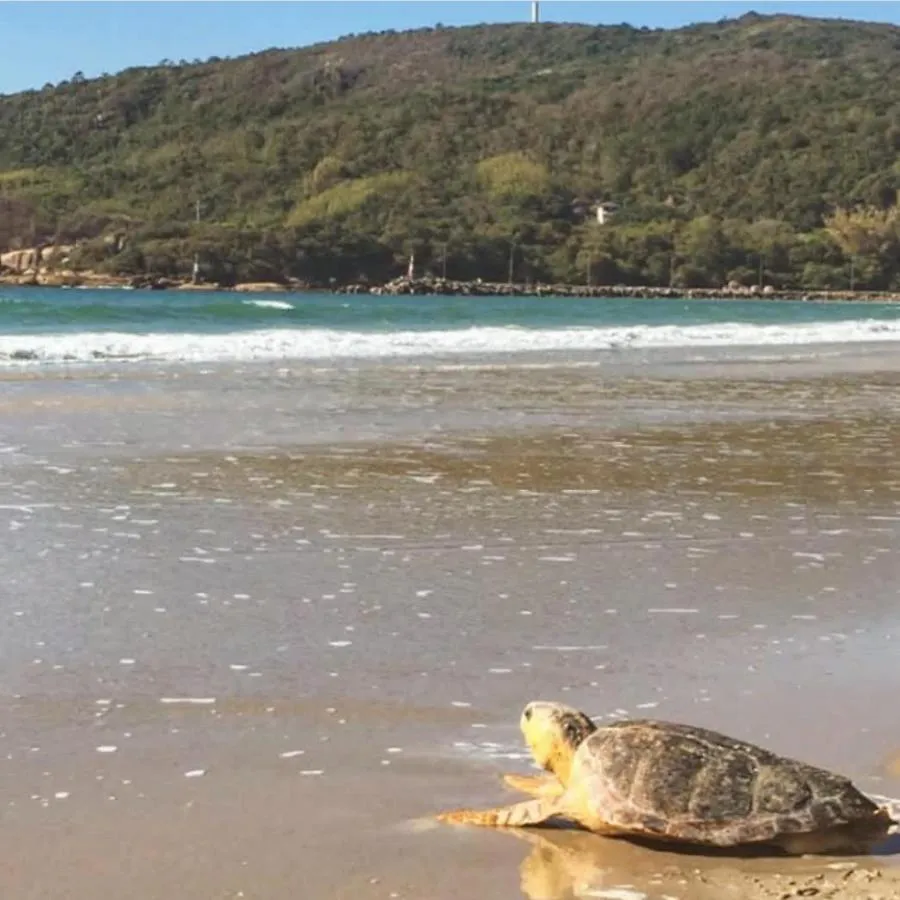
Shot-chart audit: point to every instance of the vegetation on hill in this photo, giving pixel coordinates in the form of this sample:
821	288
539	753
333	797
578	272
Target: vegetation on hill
762	147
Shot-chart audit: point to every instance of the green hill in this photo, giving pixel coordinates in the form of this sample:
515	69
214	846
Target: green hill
725	146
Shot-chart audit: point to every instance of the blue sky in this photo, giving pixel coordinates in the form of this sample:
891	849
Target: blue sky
50	41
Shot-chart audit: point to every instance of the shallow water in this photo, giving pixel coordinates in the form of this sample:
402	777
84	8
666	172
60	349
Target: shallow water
259	623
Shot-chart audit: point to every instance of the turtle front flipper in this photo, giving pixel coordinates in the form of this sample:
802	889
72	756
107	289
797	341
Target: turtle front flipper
535	785
531	812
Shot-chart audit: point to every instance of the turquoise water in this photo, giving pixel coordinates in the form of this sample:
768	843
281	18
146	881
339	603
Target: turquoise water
51	324
44	310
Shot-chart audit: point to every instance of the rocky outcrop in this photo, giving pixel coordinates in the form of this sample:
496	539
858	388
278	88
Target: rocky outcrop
478	288
35	259
19	261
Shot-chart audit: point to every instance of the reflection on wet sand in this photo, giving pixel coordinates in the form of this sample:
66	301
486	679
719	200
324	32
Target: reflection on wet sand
566	864
809	461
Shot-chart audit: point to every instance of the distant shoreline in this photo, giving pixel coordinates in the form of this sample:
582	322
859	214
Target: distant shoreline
422	287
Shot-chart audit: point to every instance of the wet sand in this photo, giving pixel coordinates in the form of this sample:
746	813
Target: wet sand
258	624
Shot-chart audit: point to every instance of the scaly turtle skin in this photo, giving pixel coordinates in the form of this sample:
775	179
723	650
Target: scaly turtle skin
680	784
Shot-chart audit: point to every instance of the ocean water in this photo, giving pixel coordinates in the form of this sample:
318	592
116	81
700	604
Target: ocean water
47	326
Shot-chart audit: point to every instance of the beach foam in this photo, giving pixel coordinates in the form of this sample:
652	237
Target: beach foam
269	304
314	343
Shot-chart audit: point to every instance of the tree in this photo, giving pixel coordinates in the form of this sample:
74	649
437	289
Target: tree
705	252
864	231
870	237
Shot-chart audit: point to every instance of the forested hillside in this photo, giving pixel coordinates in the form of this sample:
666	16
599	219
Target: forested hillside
759	143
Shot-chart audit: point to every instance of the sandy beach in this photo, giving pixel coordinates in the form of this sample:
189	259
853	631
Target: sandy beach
260	622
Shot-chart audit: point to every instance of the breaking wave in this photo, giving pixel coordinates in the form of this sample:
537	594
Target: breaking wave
329	344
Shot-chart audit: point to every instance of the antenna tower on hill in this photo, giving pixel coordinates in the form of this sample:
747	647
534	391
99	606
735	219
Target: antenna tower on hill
535	12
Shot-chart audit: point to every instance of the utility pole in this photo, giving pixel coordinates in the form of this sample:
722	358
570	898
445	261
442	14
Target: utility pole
195	271
444	261
590	265
512	260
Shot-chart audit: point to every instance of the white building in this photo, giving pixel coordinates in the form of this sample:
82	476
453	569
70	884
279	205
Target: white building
605	211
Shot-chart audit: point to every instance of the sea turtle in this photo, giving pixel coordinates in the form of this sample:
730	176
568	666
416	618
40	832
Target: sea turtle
661	781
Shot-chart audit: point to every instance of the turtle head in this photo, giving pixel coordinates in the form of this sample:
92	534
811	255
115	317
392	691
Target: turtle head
553	733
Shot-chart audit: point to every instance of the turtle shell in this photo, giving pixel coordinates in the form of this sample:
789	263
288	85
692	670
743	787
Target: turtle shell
678	782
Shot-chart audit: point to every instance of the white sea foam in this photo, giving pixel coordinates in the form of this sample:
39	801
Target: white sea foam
269	304
272	344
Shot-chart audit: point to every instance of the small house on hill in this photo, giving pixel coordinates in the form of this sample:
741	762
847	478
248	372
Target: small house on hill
605	211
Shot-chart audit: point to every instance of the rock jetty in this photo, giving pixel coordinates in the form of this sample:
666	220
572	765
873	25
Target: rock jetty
431	286
479	288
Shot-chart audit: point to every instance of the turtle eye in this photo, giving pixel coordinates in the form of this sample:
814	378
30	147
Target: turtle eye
527	713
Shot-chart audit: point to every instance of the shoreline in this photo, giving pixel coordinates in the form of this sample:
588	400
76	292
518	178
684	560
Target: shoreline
422	287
